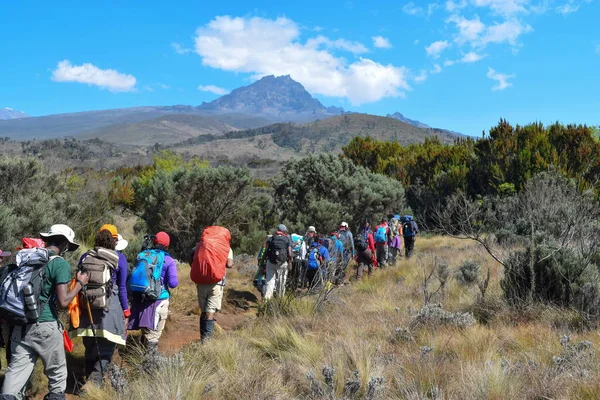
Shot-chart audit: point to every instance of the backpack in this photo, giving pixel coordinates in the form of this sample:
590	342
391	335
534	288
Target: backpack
210	259
145	278
407	226
277	250
381	234
297	242
314	259
394	225
100	265
360	243
345	238
21	287
329	244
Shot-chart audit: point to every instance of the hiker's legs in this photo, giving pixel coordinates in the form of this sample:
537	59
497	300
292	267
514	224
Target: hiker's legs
381	254
210	298
272	270
409	245
310	277
281	280
393	253
97	368
22	363
162	313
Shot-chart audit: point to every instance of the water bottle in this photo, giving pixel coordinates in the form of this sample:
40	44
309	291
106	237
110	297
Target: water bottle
32	311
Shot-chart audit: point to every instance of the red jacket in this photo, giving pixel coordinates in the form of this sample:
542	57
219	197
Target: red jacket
371	242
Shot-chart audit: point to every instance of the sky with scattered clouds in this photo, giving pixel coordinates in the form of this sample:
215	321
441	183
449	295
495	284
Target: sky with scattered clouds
456	64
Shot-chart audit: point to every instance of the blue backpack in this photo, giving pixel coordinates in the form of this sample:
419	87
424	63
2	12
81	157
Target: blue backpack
381	235
407	226
314	259
145	277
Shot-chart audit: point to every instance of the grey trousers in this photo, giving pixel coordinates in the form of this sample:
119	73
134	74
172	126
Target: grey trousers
382	254
43	340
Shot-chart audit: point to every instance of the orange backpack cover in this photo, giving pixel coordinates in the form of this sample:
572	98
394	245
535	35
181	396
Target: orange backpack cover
210	257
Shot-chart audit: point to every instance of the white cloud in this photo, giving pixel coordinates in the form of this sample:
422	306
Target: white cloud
431	8
213	89
180	49
340	44
436	69
381	42
272	47
412	9
422	77
471	57
505	8
508	31
163	86
502	79
469	30
92	75
570	7
449	63
436	48
452	6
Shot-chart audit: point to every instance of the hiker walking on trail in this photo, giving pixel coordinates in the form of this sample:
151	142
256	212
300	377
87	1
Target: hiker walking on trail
382	238
279	257
316	261
261	271
409	230
364	254
395	246
310	237
337	259
155	272
37	331
213	255
106	297
348	241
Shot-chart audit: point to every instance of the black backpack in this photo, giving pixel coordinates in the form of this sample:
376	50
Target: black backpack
277	252
360	243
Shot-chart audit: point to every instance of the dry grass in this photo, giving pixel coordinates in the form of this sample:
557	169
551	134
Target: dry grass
512	356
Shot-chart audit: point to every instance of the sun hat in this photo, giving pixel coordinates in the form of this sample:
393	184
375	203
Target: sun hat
312	229
64	231
121	243
111	228
282	228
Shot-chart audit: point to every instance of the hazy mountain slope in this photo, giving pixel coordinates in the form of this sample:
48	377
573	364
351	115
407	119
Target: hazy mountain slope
9	113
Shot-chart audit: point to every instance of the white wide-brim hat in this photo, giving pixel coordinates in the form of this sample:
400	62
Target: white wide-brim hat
121	243
65	231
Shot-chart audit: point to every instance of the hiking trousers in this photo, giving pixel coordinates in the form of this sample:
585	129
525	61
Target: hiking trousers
382	254
160	320
365	262
409	245
41	340
95	368
276	278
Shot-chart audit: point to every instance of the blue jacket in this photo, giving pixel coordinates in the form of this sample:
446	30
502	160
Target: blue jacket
338	250
322	251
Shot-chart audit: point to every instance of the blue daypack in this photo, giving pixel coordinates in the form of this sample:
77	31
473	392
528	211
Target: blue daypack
145	277
381	235
314	259
407	226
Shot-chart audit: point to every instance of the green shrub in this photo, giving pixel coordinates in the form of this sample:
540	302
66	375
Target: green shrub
468	273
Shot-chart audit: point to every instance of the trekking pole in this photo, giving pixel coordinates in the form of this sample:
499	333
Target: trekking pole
89	311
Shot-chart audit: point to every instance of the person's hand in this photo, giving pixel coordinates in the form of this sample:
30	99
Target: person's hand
83	278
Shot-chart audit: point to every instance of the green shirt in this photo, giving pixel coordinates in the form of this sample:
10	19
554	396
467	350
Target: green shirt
58	271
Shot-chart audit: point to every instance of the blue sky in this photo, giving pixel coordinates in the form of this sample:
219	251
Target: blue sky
459	64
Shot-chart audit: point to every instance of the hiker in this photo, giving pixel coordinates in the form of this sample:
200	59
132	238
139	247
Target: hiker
310	236
297	270
382	238
149	312
409	231
279	256
364	254
347	239
5	338
261	271
213	255
316	260
106	297
337	259
395	247
41	336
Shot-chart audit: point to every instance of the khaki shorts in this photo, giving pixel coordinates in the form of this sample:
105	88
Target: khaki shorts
210	297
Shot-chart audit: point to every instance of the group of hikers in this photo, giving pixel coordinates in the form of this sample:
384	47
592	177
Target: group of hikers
105	298
311	260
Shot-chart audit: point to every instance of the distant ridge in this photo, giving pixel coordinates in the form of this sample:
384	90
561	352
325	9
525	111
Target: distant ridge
9	113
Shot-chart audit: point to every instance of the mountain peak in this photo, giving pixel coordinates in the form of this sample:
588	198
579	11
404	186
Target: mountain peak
400	117
278	97
9	113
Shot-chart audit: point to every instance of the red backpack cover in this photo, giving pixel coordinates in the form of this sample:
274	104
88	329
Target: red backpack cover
210	257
